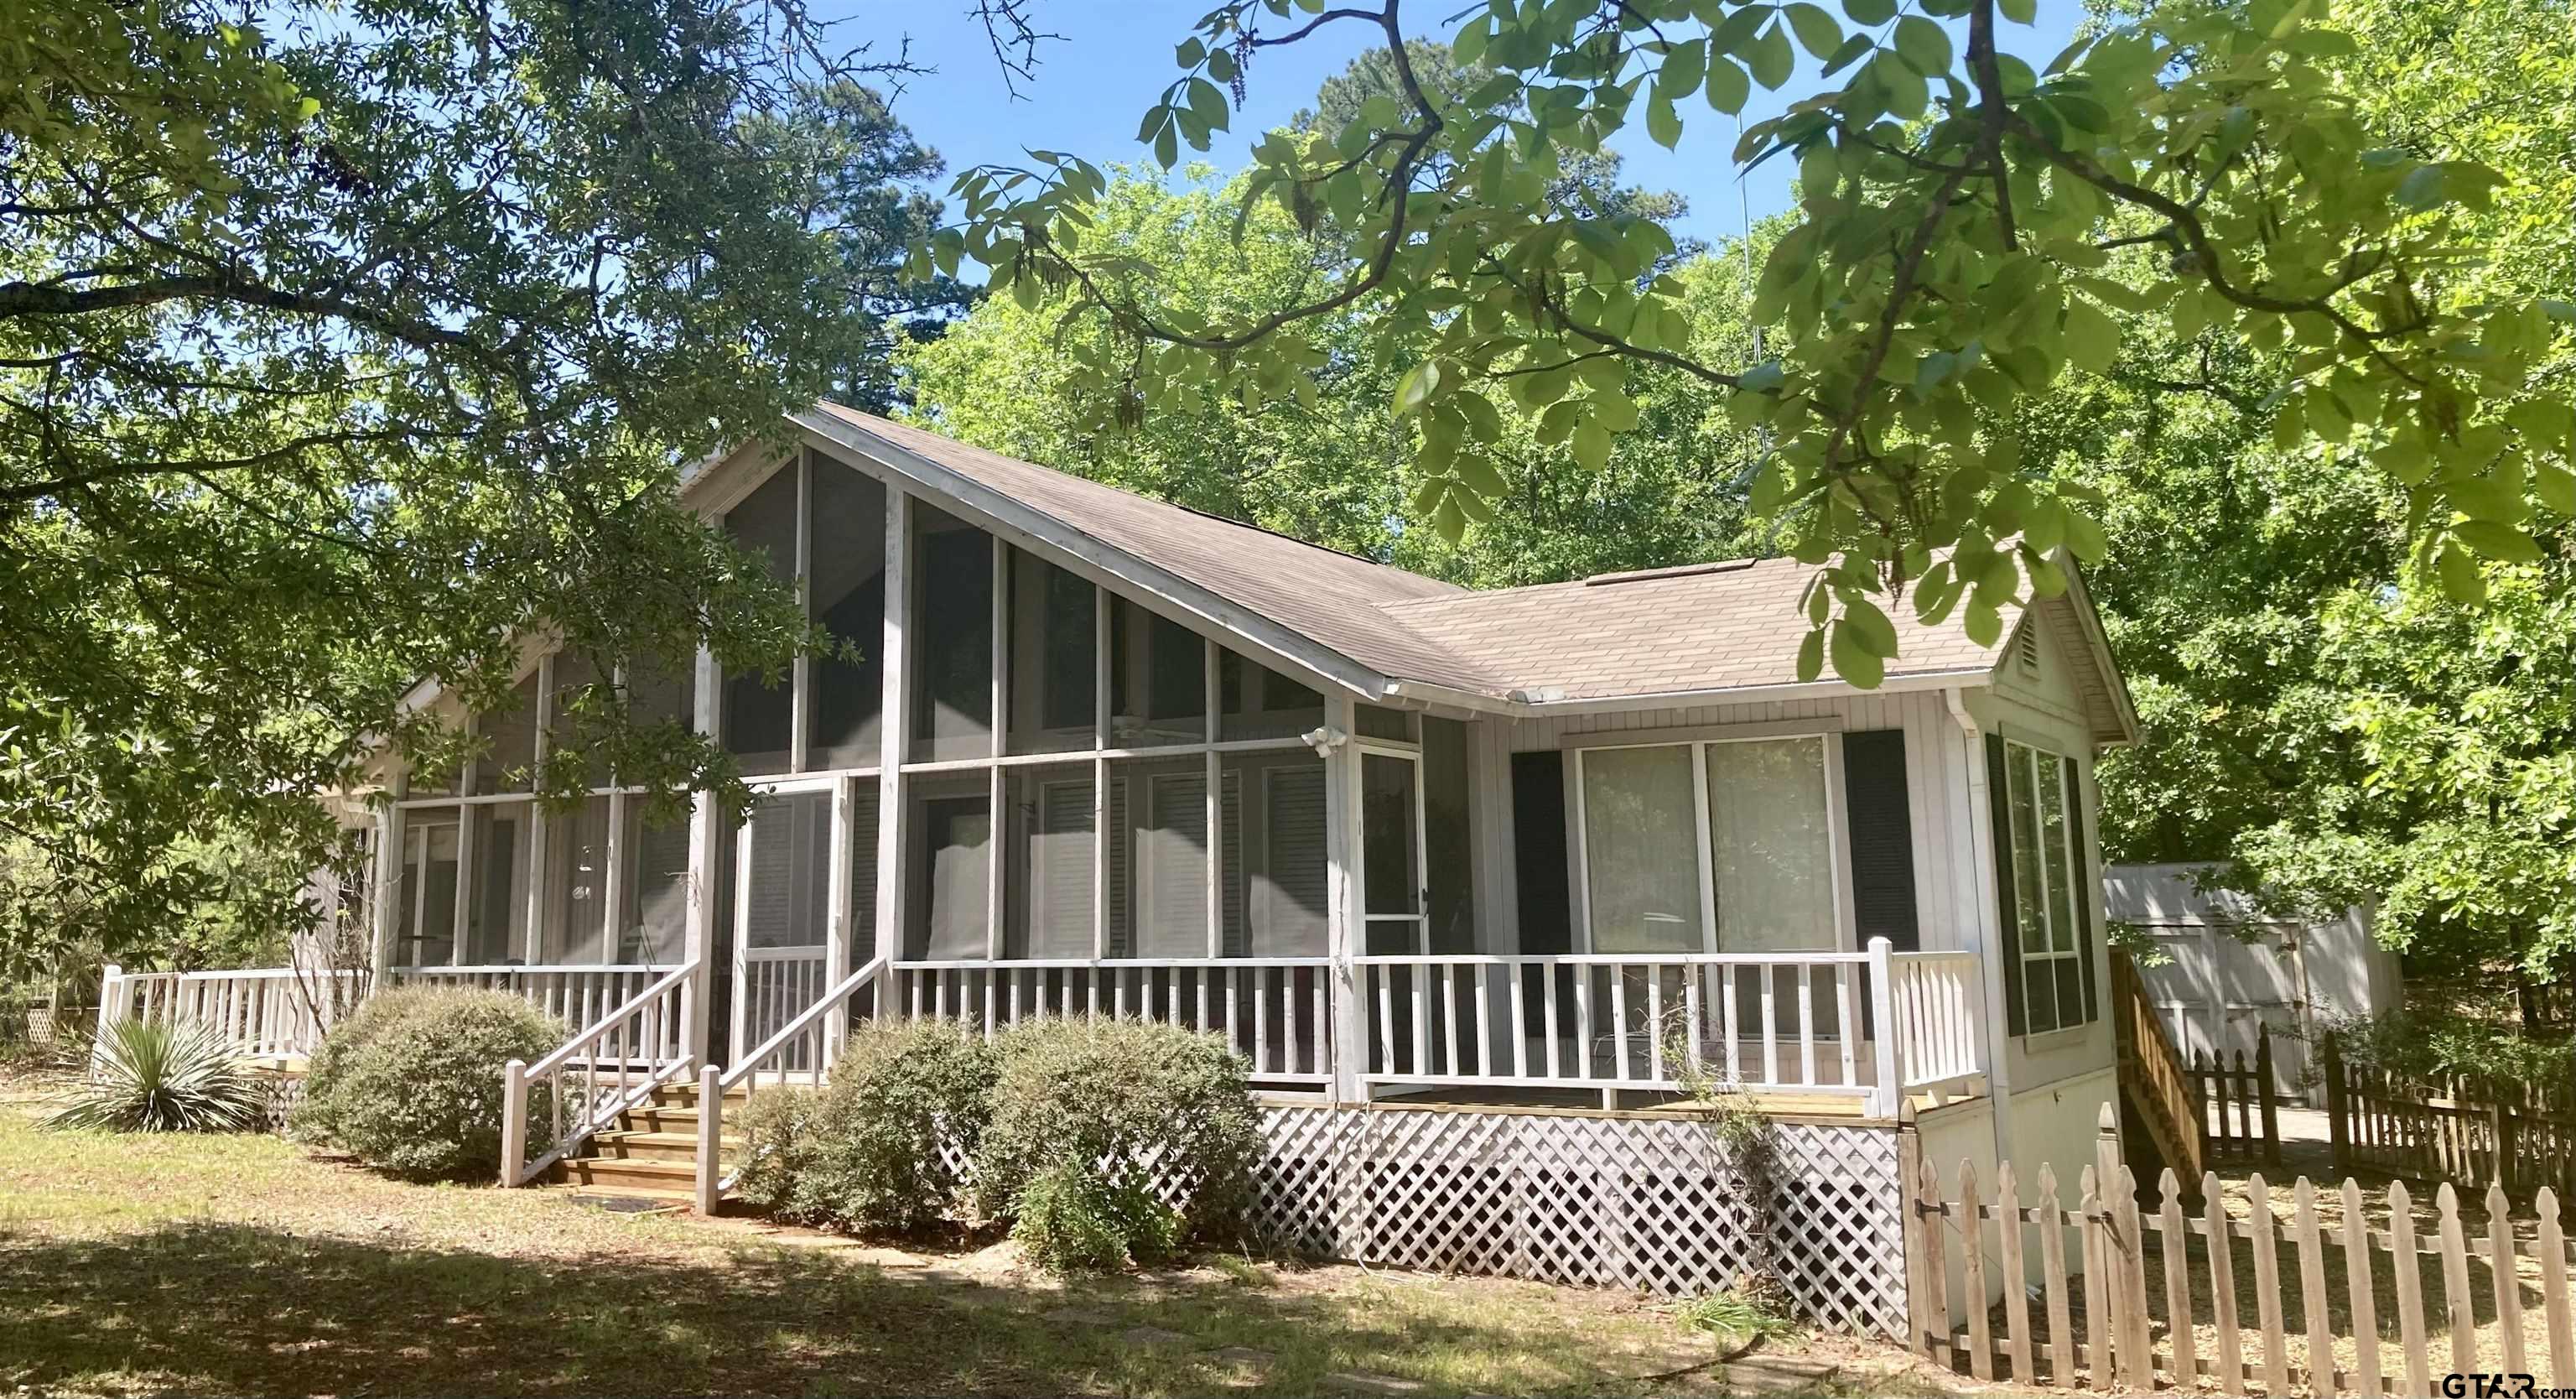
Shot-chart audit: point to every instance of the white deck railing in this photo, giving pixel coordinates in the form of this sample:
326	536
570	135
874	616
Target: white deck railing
773	986
580	996
1277	1011
605	1068
1940	1029
804	1048
1839	1024
264	1012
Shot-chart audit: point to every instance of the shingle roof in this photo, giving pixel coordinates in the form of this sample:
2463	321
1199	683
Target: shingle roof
1662	632
1732	626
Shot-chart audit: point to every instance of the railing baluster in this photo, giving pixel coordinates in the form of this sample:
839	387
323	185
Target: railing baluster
1655	1023
1484	1029
1619	1021
1519	1029
1806	1023
1548	1010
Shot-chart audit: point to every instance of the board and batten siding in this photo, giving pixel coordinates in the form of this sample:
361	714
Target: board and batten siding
1940	811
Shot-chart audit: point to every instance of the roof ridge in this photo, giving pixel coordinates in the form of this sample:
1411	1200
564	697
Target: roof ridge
1146	496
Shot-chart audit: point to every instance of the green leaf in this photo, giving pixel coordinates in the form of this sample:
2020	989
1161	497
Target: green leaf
1683	64
1662	122
1417	386
2092	337
1772	58
1877	634
2462	581
1984	624
2503	543
1811	655
1870	12
1924	44
1189	53
1727	87
1817	32
1853	660
2021	11
1591	443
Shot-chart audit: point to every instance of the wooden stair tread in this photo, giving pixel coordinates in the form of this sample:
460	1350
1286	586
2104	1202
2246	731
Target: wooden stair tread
634	1165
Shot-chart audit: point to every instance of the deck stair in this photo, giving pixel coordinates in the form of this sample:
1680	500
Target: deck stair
650	1157
2159	1103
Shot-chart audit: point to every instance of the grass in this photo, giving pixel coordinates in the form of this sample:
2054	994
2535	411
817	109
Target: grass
242	1264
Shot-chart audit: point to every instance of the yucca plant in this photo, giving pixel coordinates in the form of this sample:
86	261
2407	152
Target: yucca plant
163	1078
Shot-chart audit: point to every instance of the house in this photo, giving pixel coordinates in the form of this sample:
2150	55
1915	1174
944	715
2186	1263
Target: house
1538	854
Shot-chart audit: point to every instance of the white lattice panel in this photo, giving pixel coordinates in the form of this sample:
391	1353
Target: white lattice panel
1640	1203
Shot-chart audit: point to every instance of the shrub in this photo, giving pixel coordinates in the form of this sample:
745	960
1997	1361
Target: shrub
164	1078
411	1082
1074	1220
1119	1103
863	1154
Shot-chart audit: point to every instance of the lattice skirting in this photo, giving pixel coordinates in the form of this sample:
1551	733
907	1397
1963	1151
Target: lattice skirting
1626	1202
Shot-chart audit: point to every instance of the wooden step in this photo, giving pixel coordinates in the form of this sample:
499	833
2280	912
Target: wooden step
625	1174
634	1143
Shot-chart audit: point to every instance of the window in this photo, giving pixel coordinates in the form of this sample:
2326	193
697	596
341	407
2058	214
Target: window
1767	882
2047	906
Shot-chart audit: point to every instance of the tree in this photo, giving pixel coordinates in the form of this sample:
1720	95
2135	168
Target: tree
1326	465
2314	710
334	353
1970	229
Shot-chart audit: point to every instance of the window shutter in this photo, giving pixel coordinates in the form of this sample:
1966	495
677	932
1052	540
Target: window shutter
1877	811
1539	854
863	879
1292	908
2007	931
2091	901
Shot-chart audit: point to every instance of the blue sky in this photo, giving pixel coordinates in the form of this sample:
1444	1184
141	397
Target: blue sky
1116	55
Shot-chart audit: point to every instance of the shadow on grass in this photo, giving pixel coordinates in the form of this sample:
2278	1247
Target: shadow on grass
238	1308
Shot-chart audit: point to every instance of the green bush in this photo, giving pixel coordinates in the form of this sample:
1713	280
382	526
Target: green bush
1121	1103
2433	1042
411	1082
164	1078
863	1154
1074	1220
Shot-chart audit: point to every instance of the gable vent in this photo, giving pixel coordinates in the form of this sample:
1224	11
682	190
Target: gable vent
1640	575
2026	648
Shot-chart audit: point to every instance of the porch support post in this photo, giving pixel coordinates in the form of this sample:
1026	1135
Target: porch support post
389	865
997	853
707	712
1215	826
1889	1095
1345	932
465	813
836	914
533	933
1983	931
895	736
1100	804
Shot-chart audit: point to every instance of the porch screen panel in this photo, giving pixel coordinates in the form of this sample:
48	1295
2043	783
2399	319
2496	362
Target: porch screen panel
952	635
846	555
1157	681
951	850
653	928
758	714
661	692
1054	646
496	902
1172	864
1288	897
1448	835
1771	834
1257	702
509	740
425	924
1048	880
788	893
576	882
1640	853
863	877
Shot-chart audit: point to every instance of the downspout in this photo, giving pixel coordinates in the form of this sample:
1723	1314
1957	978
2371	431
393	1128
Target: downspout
1989	916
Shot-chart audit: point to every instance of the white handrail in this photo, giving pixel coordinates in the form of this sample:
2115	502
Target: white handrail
647	1033
1275	1011
712	1086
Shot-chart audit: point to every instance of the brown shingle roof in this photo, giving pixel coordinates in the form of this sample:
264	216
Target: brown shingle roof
1673	631
1666	632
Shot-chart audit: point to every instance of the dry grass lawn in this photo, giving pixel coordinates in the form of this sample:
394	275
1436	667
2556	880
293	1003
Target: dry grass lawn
244	1264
